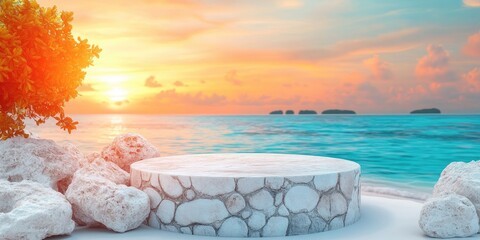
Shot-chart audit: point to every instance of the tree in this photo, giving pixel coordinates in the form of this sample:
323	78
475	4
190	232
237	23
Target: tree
41	65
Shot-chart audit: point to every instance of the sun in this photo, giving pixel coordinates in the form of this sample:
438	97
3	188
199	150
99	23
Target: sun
117	95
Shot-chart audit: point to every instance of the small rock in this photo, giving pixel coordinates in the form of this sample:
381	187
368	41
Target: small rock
249	185
186	230
203	230
299	224
332	205
127	149
278	199
185	181
274	183
213	186
301	198
154	181
190	194
235	203
170	186
325	182
275	227
261	200
353	211
318	225
154	197
257	220
449	216
169	228
203	211
153	221
233	227
246	214
336	223
300	179
30	210
166	211
347	180
283	211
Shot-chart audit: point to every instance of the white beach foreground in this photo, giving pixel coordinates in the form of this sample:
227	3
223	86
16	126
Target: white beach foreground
382	218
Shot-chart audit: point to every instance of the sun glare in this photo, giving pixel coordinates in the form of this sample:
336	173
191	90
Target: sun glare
117	95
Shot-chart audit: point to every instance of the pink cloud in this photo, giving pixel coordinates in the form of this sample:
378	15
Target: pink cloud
435	65
380	69
179	84
472	47
199	98
152	83
472	80
471	3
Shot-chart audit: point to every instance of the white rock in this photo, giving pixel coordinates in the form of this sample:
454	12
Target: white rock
38	160
246	214
186	230
270	211
254	234
300	179
249	185
274	183
203	230
213	186
190	194
347	181
136	179
235	203
30	210
299	224
127	149
449	216
233	227
153	221
146	176
101	168
257	220
166	211
283	211
463	179
170	186
336	223
154	197
332	205
261	200
278	198
325	182
169	228
185	181
203	211
98	200
275	227
318	225
301	198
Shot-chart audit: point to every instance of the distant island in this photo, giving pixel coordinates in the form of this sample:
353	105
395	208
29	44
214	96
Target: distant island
307	112
289	112
426	111
276	112
338	111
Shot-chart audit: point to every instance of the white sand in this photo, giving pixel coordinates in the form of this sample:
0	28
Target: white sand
382	218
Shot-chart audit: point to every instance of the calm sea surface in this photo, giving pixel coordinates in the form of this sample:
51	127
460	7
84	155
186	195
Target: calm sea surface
400	154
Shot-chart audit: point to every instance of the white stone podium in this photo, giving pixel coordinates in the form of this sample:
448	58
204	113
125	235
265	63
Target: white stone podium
249	194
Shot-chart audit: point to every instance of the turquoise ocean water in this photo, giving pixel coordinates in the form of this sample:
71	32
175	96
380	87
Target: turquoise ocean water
400	155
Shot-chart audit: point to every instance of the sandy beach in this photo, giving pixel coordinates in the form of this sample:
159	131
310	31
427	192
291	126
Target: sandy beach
382	218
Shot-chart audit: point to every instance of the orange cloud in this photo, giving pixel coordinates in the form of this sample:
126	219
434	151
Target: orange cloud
435	65
472	47
152	83
471	3
232	78
86	88
472	80
179	84
380	69
199	98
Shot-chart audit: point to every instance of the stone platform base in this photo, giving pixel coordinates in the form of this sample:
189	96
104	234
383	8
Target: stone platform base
249	195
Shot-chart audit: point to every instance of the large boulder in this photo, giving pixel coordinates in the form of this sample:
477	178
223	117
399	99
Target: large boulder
463	179
99	196
30	210
38	160
449	216
127	149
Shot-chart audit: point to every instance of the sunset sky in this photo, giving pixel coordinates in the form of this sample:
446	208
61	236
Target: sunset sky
251	57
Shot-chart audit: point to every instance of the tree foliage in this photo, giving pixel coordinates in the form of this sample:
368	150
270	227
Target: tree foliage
41	65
